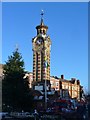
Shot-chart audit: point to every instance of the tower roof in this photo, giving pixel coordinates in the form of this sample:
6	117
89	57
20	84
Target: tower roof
42	25
42	22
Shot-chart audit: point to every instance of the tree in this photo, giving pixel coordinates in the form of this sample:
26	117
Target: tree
14	87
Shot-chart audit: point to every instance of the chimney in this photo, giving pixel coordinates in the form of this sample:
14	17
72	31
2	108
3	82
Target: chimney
62	76
73	80
78	82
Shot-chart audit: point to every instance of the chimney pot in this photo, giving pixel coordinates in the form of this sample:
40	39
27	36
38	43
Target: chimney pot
62	76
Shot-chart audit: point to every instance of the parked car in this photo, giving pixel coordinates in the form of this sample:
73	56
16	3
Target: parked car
4	115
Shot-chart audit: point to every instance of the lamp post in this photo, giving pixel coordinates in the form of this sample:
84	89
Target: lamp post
45	94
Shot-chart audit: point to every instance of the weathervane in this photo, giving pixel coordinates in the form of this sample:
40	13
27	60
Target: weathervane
42	13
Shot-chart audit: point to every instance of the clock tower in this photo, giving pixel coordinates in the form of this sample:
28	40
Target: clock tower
41	53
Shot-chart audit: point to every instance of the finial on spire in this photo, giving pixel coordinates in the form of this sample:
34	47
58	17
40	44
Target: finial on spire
42	13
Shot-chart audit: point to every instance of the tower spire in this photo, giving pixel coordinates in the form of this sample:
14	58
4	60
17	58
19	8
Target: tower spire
42	14
42	28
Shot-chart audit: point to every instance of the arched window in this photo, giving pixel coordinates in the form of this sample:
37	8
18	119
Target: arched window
43	31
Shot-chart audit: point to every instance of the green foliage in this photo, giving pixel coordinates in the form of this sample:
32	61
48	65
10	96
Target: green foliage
15	88
14	64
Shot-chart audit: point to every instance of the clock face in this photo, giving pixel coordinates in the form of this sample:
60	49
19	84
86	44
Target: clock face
39	44
39	41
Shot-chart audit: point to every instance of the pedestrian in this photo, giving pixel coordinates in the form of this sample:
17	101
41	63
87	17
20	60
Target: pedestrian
35	112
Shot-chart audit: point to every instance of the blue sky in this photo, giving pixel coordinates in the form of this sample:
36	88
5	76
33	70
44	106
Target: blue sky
68	30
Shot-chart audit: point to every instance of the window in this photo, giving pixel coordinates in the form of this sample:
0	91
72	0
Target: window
57	84
43	31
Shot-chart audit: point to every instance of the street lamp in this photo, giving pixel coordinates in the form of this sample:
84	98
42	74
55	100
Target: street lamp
45	94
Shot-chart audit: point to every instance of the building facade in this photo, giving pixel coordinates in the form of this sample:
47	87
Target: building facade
65	88
1	69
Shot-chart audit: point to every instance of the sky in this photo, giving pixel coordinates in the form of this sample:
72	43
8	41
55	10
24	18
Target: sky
68	30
